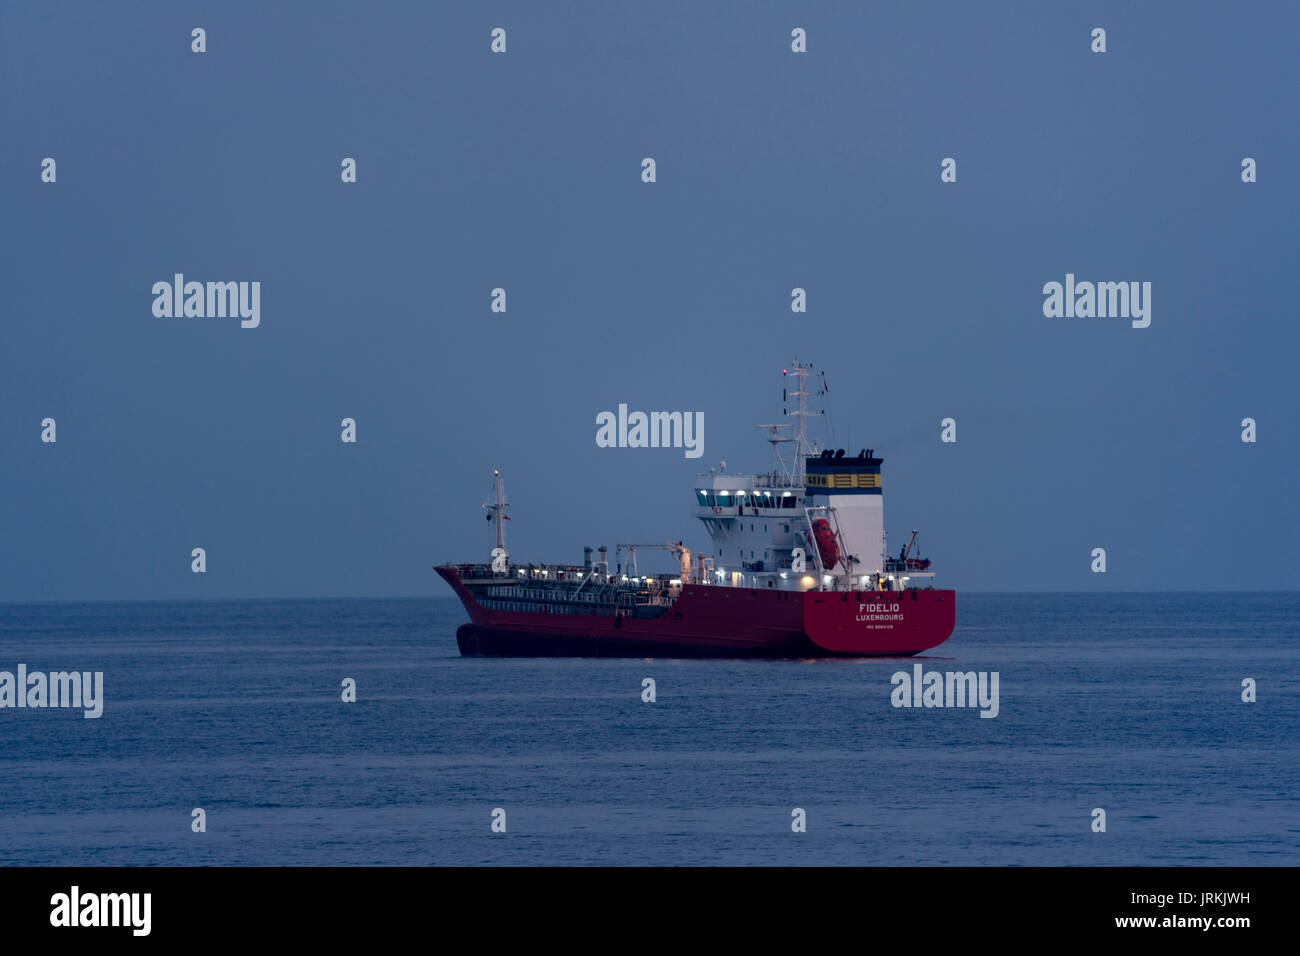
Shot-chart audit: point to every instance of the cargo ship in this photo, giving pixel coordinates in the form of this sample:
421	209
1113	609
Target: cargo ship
798	568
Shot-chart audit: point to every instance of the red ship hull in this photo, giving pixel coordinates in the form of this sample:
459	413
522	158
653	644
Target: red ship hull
718	621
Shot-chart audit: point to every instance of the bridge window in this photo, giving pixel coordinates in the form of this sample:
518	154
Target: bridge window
704	498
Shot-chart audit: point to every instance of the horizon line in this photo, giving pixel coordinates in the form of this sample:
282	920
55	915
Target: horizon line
452	597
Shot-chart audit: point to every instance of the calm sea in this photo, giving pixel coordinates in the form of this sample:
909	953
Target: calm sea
1129	703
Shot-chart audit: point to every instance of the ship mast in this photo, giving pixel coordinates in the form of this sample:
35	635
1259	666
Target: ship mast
778	435
800	415
497	515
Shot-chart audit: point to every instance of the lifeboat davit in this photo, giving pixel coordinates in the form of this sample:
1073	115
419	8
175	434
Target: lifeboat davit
826	545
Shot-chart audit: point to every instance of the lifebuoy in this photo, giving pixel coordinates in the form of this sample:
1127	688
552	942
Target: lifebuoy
717	510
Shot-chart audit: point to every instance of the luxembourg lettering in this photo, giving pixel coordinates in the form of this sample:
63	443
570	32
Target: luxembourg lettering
56	689
211	300
1102	300
879	612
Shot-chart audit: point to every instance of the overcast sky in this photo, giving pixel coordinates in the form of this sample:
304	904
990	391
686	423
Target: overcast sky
523	170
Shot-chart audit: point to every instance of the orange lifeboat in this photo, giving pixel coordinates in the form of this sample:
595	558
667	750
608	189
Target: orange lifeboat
826	545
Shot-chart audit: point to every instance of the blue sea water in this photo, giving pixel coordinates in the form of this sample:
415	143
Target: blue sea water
1127	702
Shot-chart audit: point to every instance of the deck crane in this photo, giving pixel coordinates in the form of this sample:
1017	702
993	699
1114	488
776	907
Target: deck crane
907	548
906	562
675	548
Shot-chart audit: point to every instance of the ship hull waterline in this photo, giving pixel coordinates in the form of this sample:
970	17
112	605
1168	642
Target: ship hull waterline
719	622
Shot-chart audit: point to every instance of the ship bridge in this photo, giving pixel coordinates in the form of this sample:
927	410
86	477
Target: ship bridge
755	521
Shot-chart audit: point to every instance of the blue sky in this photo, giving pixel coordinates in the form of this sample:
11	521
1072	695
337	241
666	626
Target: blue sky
775	170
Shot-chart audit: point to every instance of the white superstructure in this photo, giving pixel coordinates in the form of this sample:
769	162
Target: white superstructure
764	527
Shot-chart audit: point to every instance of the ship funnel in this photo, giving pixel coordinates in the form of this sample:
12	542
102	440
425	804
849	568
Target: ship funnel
586	558
852	486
